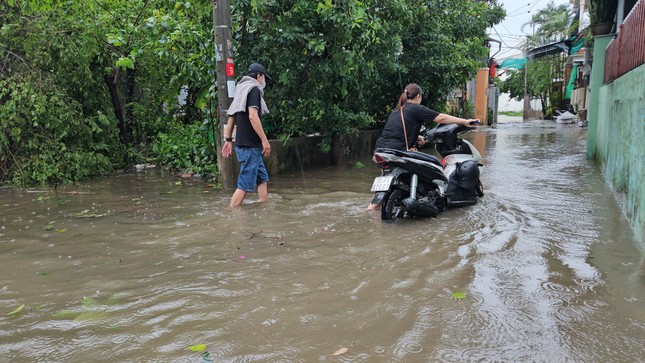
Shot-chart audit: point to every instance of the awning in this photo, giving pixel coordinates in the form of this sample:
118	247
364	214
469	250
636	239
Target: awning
515	63
572	82
543	51
579	43
569	46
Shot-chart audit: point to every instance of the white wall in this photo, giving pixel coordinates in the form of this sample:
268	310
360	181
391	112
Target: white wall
508	104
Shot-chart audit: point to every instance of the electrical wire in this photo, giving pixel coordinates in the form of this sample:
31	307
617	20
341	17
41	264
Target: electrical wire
523	14
500	37
517	9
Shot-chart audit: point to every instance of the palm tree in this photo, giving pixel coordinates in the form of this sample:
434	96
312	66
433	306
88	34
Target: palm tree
552	22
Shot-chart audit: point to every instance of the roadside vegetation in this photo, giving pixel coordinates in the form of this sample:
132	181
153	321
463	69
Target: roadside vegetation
544	76
91	86
510	113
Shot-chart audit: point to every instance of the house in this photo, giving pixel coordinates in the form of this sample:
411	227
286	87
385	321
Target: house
616	133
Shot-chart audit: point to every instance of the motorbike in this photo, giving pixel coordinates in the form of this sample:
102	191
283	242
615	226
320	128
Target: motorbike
416	184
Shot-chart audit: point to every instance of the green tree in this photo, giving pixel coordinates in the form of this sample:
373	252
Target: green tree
538	82
339	63
53	127
92	85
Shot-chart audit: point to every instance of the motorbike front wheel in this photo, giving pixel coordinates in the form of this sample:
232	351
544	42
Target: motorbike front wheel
393	205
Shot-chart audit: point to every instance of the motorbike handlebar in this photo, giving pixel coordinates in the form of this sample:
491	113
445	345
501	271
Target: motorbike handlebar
445	132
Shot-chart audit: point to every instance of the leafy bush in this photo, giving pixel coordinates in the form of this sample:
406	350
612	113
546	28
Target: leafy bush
185	147
45	138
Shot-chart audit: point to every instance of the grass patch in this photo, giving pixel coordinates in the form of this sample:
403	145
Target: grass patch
510	113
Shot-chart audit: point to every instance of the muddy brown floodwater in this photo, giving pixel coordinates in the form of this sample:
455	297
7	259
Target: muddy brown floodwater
144	266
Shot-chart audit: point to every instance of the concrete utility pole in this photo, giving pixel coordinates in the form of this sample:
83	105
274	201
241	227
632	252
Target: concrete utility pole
527	102
225	85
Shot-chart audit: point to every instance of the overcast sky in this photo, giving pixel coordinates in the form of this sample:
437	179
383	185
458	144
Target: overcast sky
509	30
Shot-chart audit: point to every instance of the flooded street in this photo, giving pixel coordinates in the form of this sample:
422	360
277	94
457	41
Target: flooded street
140	267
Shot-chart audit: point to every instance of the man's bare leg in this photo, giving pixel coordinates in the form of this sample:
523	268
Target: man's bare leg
263	192
238	197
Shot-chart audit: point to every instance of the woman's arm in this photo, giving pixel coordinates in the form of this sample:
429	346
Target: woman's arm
447	119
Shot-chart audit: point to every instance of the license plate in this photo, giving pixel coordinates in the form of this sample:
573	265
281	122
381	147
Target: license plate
382	183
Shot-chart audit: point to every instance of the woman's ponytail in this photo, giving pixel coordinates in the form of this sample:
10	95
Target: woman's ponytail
411	91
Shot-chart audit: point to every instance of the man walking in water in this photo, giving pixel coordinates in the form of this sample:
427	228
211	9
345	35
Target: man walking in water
246	112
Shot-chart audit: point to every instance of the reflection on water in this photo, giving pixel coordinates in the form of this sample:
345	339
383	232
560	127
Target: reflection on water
142	267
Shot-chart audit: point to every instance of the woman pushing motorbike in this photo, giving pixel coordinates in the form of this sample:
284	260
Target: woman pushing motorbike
403	126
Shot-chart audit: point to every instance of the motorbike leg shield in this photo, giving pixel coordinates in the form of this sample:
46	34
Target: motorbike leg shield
378	197
464	186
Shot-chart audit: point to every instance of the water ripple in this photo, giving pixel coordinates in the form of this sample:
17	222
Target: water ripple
545	261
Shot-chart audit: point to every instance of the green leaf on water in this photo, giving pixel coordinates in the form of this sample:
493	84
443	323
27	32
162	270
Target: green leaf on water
88	302
62	230
459	295
113	300
197	348
90	315
66	314
16	310
41	198
89	310
80	315
43	273
49	227
86	214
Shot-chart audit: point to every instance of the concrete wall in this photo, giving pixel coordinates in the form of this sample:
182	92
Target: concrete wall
506	103
597	76
481	95
617	142
304	152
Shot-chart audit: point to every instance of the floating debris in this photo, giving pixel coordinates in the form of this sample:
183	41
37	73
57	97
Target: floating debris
16	311
340	351
197	347
86	214
459	295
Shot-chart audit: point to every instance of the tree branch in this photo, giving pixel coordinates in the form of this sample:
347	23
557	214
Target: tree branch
17	57
111	14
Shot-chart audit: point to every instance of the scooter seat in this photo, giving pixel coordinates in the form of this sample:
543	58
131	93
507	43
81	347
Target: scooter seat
411	154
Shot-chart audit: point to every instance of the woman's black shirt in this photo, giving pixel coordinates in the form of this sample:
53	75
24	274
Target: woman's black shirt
415	116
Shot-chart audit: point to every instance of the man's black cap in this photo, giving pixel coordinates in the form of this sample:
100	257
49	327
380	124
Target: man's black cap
258	68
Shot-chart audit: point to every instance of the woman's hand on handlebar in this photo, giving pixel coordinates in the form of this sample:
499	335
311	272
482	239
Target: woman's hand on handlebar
472	123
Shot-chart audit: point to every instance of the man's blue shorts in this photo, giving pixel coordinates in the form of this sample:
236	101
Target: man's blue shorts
252	169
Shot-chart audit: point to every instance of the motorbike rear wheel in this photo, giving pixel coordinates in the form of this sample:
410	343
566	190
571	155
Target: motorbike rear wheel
393	205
